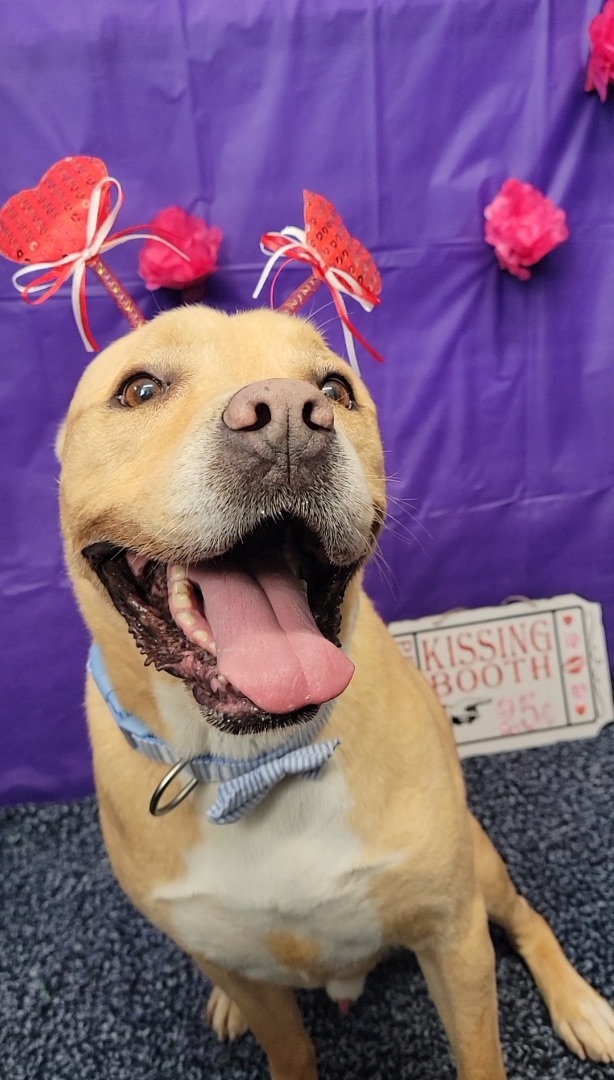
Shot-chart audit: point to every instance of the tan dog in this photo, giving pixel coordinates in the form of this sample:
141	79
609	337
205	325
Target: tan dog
222	486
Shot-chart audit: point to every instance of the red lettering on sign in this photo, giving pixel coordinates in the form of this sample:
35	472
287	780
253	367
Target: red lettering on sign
541	667
501	637
492	675
518	637
441	684
466	646
541	638
524	715
407	648
467	680
485	642
517	665
451	653
430	654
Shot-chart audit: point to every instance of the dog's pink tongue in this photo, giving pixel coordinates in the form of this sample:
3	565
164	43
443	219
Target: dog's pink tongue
268	645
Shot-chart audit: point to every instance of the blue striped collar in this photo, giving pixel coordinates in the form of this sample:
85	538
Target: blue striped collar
243	782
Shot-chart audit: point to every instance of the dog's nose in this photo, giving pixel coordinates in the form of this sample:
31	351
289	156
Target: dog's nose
281	413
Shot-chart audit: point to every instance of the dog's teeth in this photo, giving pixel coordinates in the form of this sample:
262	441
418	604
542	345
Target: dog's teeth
181	595
177	573
219	682
185	618
201	637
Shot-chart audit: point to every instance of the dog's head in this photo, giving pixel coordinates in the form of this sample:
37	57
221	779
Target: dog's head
222	479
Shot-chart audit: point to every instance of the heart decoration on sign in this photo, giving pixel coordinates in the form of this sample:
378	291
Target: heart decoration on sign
335	257
61	227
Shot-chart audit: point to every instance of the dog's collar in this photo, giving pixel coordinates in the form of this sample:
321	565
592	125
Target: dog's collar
243	782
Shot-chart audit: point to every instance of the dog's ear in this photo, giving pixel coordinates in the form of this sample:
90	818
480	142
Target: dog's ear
59	440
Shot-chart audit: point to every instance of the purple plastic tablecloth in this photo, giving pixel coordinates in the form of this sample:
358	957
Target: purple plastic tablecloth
496	397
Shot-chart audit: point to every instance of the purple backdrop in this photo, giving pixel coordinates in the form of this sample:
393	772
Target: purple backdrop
497	396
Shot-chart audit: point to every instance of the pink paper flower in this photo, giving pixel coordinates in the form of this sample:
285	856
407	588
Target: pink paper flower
523	225
600	70
160	266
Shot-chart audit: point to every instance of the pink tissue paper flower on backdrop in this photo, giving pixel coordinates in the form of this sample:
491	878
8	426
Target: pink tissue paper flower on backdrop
160	267
600	70
523	225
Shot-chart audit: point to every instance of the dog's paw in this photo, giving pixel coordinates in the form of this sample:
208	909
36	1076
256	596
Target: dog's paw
224	1016
585	1021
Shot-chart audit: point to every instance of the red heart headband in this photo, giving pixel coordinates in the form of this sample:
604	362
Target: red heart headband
61	228
334	256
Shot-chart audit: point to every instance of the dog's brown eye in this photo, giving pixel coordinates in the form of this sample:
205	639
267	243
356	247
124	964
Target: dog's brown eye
139	390
338	390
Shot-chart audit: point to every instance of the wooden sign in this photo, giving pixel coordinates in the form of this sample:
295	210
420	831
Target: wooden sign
524	674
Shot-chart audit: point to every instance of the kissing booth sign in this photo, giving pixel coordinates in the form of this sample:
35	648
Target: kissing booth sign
520	675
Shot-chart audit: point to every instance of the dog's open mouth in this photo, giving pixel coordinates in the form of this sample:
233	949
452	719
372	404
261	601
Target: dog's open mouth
253	632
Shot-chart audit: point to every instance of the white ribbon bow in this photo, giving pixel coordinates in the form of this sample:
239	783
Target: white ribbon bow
96	244
338	281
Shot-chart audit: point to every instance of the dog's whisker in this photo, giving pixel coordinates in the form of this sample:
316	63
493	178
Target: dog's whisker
384	569
313	314
328	322
403	533
413	517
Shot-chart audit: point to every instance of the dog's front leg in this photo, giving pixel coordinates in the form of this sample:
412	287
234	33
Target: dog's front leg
273	1016
459	967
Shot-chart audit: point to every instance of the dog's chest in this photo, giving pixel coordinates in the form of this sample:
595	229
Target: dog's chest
283	894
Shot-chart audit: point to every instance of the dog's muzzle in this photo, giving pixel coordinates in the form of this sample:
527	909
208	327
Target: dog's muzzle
249	614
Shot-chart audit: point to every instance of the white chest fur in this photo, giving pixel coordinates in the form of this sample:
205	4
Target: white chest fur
291	867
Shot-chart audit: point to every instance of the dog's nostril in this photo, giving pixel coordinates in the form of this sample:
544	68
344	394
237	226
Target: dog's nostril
244	415
318	415
263	416
307	411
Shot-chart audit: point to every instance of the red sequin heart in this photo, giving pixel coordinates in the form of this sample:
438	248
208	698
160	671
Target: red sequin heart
326	232
45	223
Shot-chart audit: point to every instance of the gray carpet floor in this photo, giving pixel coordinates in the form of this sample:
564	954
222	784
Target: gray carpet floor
89	991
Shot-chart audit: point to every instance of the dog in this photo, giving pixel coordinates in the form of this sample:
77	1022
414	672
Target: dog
279	788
